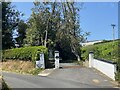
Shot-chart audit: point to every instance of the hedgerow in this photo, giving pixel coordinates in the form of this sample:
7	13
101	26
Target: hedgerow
107	51
25	53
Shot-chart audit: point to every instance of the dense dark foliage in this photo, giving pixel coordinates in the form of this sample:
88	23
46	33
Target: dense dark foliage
10	20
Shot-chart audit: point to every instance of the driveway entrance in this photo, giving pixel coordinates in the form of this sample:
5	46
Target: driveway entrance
84	76
69	65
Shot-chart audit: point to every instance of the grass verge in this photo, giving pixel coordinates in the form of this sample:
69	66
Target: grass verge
22	67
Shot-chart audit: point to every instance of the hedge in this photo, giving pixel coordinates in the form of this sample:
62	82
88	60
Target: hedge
107	51
25	53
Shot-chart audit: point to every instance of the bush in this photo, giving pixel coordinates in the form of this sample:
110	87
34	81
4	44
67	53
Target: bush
25	53
117	77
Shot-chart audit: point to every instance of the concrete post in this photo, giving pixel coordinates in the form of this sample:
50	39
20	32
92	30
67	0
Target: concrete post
37	64
42	61
56	59
91	57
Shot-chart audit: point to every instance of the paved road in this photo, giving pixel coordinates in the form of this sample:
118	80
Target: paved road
85	77
28	81
60	78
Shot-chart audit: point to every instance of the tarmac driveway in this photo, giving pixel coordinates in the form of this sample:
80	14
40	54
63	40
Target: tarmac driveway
82	75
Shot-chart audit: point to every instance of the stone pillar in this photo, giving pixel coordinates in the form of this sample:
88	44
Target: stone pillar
42	61
91	57
56	59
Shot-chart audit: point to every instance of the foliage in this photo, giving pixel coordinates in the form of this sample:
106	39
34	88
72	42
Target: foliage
56	25
117	77
79	63
52	24
108	51
36	71
10	20
21	30
118	64
25	53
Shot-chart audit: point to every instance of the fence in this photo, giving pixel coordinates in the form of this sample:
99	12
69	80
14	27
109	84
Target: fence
106	67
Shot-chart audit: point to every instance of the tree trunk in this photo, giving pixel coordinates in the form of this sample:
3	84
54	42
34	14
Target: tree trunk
42	41
45	42
73	50
78	57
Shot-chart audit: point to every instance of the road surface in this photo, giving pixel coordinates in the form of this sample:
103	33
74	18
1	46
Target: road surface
78	77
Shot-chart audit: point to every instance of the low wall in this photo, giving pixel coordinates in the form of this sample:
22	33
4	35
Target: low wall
106	67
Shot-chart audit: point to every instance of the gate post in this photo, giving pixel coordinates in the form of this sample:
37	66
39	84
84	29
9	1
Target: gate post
56	59
42	61
91	57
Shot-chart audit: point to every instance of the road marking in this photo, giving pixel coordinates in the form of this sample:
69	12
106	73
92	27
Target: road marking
96	81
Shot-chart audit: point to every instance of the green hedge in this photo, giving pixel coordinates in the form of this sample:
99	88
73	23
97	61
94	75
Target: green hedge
25	53
108	51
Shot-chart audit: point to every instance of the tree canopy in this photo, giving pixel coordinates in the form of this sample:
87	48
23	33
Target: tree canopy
10	19
55	25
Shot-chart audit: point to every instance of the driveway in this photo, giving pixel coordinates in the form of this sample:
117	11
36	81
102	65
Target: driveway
85	77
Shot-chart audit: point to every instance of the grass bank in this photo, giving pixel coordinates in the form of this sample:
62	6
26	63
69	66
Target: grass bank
19	66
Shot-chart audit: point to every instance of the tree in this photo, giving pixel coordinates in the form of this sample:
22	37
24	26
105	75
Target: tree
10	19
21	30
0	28
70	29
56	25
36	29
42	24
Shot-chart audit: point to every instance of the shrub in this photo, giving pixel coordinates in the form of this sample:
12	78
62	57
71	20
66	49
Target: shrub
25	53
